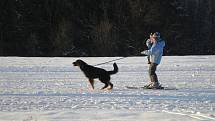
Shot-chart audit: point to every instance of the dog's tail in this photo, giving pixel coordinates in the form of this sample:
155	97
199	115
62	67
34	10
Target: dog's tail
115	70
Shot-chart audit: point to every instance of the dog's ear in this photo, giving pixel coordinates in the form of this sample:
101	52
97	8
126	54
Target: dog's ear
79	60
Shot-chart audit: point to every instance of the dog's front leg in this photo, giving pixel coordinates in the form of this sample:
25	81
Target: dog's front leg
91	82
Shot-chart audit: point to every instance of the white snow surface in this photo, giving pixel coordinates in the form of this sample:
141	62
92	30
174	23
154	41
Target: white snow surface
52	89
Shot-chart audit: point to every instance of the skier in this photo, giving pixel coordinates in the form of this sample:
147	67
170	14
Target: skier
155	52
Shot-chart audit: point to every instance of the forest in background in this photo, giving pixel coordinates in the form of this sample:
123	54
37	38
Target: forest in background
105	27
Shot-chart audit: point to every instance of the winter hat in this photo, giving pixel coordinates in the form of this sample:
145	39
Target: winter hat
156	34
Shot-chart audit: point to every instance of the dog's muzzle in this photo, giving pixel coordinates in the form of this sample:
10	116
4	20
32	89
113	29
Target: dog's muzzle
74	64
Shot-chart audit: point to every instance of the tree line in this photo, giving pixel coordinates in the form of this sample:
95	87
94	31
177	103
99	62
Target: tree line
104	27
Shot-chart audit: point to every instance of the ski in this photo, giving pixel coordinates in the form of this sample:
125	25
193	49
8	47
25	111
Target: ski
145	88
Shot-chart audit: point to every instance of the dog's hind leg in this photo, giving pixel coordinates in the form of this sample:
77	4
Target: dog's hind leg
106	85
106	80
111	86
91	82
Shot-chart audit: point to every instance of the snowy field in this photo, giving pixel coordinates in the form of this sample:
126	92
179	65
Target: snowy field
51	89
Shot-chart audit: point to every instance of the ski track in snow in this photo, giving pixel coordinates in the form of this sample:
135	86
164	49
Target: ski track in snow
53	85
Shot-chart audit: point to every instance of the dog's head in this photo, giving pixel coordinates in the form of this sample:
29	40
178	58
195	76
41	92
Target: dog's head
79	63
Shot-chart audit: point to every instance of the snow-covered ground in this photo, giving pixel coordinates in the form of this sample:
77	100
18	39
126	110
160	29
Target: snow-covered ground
51	89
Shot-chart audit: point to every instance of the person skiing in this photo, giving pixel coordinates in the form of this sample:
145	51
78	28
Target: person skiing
155	53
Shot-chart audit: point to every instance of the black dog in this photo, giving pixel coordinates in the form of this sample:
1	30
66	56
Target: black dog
93	72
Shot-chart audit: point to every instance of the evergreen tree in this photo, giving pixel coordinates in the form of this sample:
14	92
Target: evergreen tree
104	27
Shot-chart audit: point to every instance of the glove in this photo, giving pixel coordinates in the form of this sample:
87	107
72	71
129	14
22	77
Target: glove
143	52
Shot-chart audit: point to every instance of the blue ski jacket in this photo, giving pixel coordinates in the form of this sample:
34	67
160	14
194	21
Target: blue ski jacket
156	51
